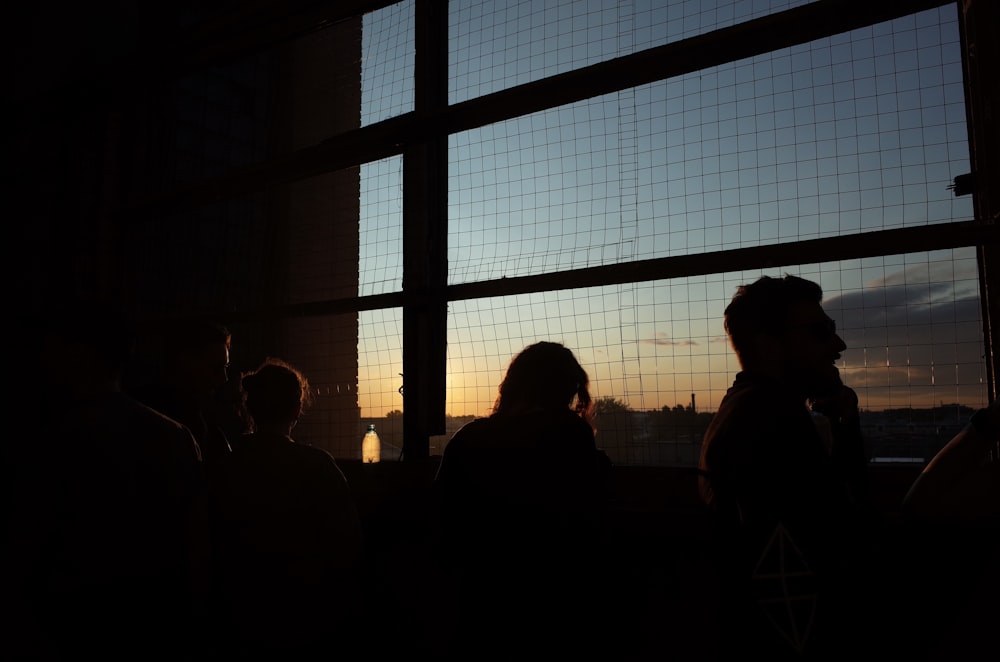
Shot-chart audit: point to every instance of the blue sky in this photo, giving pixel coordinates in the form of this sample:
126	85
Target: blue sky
862	131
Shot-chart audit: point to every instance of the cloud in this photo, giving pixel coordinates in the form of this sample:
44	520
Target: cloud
663	340
888	313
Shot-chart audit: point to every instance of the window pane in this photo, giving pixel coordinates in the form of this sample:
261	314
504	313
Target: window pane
660	362
854	133
326	349
380	269
387	63
497	45
380	379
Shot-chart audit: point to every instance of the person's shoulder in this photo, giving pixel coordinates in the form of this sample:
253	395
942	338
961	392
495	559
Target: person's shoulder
472	431
749	402
567	425
574	421
155	396
476	425
748	387
143	414
321	465
156	429
517	430
744	413
311	453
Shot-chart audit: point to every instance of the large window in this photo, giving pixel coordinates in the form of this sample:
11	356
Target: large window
854	132
406	197
660	361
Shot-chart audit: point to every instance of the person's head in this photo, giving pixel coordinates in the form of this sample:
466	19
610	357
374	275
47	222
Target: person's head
197	356
544	375
276	394
777	326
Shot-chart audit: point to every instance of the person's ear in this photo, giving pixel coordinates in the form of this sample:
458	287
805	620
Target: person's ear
765	348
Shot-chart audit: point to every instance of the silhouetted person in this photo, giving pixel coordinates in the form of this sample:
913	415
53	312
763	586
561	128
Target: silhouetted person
961	483
521	494
106	553
788	483
190	361
950	583
289	531
194	364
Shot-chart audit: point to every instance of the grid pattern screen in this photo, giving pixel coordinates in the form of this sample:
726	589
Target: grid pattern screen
862	131
497	45
660	362
380	379
388	55
380	266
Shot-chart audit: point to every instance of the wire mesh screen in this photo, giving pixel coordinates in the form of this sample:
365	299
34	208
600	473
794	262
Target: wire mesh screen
660	362
380	378
325	349
496	45
862	131
380	266
387	62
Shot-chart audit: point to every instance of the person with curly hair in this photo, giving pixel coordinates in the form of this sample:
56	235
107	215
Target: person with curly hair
521	495
290	532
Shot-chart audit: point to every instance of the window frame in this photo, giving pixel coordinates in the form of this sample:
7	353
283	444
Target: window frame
421	137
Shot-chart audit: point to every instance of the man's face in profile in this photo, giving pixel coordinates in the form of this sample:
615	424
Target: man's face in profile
210	368
811	347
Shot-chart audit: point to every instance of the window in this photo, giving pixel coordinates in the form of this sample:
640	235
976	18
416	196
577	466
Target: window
405	197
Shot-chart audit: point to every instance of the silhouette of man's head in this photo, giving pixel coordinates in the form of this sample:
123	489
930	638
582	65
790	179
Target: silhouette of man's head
777	327
276	393
544	375
197	356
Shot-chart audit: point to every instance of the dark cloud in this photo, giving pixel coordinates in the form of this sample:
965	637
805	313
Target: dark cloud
914	338
901	315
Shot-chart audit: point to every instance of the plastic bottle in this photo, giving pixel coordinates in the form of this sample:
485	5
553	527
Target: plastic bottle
371	446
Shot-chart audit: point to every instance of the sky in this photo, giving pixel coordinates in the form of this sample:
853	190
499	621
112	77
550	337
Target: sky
862	131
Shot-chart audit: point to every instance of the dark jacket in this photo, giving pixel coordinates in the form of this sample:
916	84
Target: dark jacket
789	520
521	500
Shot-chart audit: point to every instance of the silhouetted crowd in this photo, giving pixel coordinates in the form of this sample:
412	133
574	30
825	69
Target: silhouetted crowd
178	519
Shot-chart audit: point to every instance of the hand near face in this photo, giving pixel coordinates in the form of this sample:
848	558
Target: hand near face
840	406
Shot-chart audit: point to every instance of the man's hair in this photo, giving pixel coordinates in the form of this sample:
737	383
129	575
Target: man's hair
763	307
186	336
